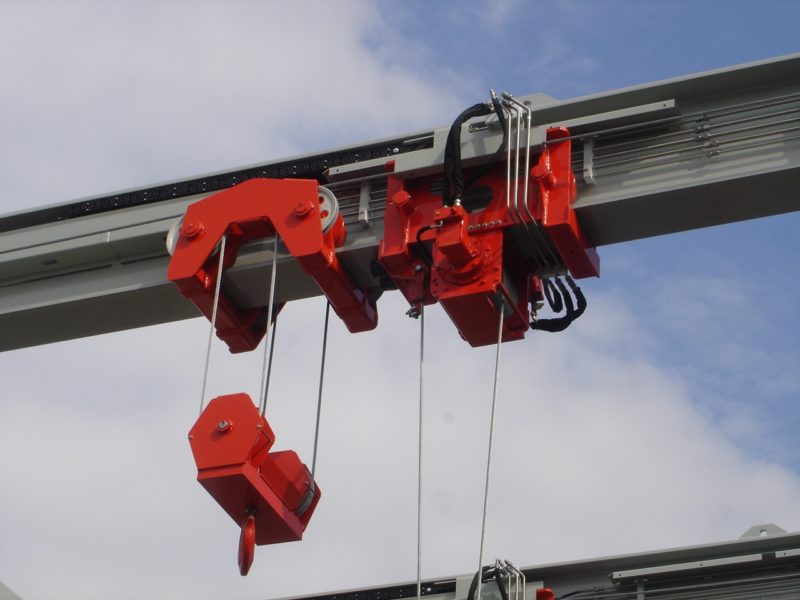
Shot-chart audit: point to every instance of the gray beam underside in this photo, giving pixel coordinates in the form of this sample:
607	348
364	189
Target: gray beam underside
610	220
773	555
107	272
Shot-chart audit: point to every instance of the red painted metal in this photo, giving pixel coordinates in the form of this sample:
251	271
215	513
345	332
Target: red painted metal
556	192
254	209
545	594
465	257
475	266
230	442
247	544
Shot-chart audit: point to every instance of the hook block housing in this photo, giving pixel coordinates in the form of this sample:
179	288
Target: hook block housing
230	442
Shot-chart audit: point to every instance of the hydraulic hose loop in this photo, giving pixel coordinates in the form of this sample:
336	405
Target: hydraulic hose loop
454	184
319	393
570	307
497	106
579	297
491	440
453	175
217	287
572	311
269	341
552	295
419	449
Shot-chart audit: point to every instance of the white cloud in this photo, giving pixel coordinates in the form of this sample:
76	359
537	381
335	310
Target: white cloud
600	448
499	11
102	96
597	452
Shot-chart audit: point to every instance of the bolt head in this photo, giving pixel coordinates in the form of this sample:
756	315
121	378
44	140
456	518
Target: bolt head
224	425
400	197
193	229
303	208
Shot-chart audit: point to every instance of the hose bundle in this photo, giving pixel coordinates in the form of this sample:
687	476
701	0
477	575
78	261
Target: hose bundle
558	297
454	184
486	574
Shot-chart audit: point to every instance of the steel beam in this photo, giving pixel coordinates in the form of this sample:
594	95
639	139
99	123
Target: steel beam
670	156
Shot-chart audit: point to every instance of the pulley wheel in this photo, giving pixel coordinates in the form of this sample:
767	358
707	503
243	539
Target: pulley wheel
173	234
328	208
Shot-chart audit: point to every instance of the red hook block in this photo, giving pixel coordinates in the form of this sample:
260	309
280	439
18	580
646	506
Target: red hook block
271	495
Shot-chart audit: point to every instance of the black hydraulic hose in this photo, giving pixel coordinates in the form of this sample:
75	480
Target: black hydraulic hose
422	250
579	297
453	175
561	323
570	307
498	577
501	117
553	296
473	586
486	573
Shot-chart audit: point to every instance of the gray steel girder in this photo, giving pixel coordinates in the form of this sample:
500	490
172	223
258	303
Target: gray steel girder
670	156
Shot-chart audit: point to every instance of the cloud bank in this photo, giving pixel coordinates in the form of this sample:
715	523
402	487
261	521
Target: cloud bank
603	444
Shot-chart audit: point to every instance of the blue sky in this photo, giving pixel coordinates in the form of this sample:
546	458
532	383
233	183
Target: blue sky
572	48
568	49
666	416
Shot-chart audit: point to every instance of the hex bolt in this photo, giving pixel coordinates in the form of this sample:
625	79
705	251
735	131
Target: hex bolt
400	197
223	425
192	230
303	208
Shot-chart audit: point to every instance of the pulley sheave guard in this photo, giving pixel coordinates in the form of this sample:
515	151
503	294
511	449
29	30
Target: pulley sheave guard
259	208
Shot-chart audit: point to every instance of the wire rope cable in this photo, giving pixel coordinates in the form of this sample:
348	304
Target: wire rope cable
269	341
214	308
319	393
419	450
489	453
265	380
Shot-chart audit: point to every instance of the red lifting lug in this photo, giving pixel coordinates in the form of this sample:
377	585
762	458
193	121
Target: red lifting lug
406	227
254	209
556	190
453	239
270	495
